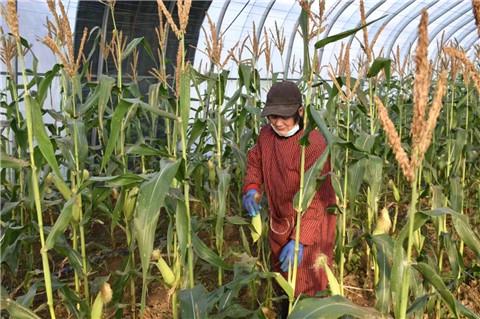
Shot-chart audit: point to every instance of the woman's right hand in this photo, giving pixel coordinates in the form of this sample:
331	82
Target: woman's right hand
250	203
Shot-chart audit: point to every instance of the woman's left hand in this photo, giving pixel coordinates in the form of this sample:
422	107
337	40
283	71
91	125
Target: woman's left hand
288	253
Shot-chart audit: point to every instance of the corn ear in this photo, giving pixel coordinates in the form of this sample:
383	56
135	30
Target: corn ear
130	201
321	262
383	223
103	297
76	210
85	174
211	171
167	273
256	230
61	186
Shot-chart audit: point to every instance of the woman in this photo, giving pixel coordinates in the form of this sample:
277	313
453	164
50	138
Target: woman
273	165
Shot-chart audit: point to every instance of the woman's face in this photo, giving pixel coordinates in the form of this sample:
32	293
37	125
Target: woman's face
283	124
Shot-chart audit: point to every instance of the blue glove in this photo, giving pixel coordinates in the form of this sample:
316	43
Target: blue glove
287	254
250	204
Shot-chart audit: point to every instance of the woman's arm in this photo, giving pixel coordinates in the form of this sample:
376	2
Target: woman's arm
253	175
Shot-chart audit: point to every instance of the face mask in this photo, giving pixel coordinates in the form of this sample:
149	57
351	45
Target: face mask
289	133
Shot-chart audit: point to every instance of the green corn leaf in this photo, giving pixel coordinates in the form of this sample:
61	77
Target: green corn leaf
356	172
205	253
284	284
373	174
99	97
378	65
131	46
115	127
150	200
418	306
156	111
318	118
62	187
82	141
339	36
245	75
310	183
7	161
198	128
304	27
396	280
45	83
436	281
365	141
465	311
466	233
181	223
331	308
454	257
16	310
74	258
119	180
462	227
384	246
40	133
222	193
145	150
61	223
194	302
237	220
184	102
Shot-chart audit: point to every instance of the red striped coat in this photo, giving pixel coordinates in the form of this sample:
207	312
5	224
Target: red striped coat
274	165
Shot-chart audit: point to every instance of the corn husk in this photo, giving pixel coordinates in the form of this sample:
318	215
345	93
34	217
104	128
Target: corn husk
167	273
130	201
383	223
256	230
321	263
103	297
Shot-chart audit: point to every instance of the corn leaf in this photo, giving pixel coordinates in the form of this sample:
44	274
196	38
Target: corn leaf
318	118
310	183
99	97
356	172
462	227
40	133
373	173
157	111
378	65
45	83
284	284
119	180
181	222
341	35
184	102
7	161
131	46
151	198
115	127
396	280
16	310
74	257
194	302
384	247
436	281
61	223
205	253
145	150
465	311
222	196
330	308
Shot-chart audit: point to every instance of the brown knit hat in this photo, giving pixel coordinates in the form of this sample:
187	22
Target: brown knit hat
283	99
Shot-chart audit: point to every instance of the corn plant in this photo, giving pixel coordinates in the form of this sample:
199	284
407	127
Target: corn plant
112	169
